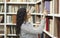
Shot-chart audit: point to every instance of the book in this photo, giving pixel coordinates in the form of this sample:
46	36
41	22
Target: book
9	8
38	18
56	27
39	8
56	7
51	7
47	6
51	26
15	8
1	8
1	29
59	6
12	9
47	24
32	9
33	18
36	8
11	29
8	29
1	18
13	18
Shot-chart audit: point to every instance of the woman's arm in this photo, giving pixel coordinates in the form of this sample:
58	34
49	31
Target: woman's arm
30	29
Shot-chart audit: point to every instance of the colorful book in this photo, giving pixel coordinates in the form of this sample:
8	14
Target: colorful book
47	24
47	6
59	6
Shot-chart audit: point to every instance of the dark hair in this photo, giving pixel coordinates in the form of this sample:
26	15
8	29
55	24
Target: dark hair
21	17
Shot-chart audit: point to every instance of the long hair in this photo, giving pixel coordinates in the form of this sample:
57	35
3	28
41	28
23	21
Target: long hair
21	17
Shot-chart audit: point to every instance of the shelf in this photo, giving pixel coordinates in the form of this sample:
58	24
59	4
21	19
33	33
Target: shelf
35	14
2	34
10	24
1	13
48	14
1	2
38	1
31	13
11	34
2	24
56	15
21	2
49	34
15	24
11	13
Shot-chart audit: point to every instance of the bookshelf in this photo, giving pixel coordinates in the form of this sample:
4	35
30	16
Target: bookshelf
8	11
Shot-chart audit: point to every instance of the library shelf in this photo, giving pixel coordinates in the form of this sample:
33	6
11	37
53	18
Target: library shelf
49	34
21	2
2	34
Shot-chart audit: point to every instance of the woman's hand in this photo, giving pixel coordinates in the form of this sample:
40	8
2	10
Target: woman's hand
45	13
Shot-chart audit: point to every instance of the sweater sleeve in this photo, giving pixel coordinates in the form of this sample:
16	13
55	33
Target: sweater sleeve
30	29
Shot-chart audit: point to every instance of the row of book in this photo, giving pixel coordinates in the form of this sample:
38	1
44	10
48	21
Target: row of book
11	29
14	8
21	0
33	19
48	5
11	19
52	8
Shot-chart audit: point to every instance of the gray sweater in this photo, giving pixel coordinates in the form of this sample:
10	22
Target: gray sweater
28	31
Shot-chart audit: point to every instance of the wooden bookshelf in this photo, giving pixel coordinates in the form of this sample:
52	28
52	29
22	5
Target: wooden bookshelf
52	7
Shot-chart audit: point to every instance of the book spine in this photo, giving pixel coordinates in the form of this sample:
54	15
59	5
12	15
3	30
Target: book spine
47	24
47	6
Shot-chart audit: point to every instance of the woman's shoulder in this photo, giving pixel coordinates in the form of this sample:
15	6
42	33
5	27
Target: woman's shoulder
27	23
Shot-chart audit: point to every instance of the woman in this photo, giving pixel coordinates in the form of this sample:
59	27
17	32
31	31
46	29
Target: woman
25	29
